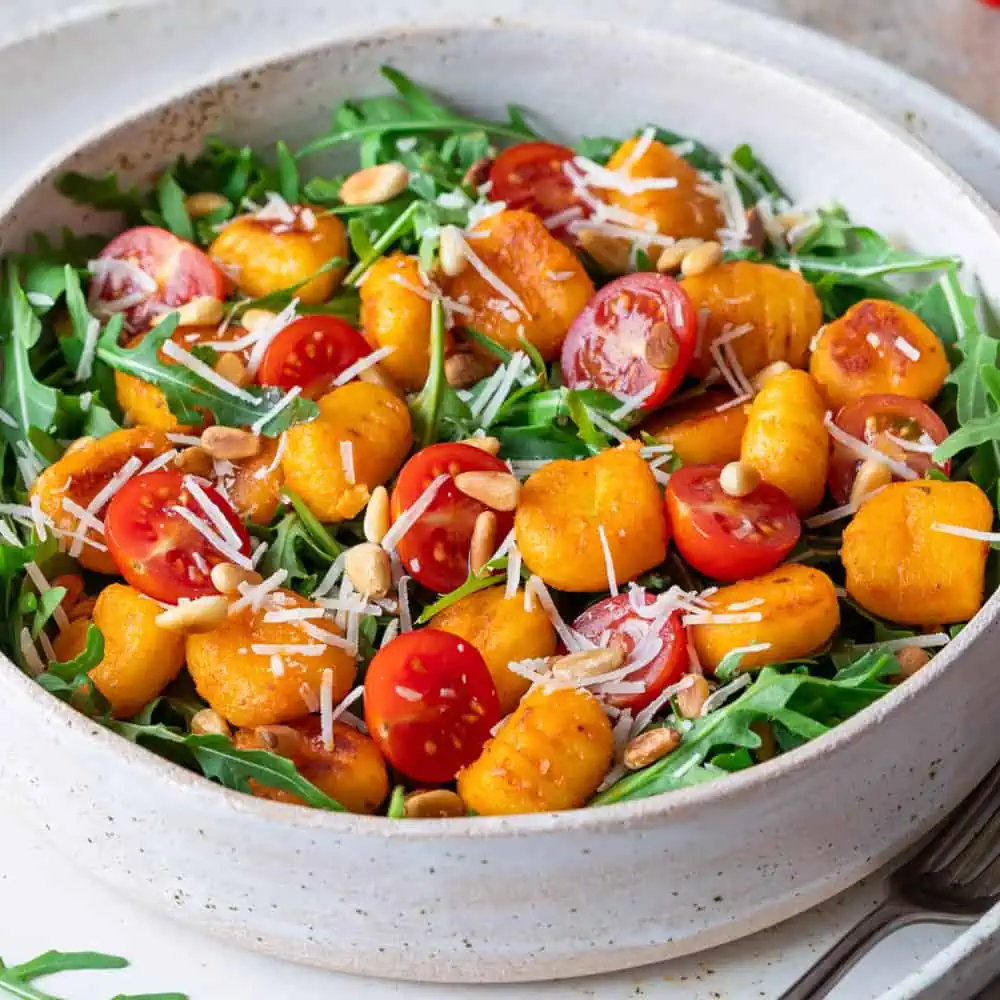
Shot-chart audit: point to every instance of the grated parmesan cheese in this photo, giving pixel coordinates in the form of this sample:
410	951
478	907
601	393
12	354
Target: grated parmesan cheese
347	460
254	594
185	358
326	707
864	450
405	620
258	425
412	514
43	586
724	693
906	348
609	564
30	653
287	649
362	364
993	537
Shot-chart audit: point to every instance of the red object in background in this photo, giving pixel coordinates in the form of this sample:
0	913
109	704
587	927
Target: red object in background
991	3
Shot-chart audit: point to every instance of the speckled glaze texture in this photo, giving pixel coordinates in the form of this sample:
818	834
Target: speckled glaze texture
552	895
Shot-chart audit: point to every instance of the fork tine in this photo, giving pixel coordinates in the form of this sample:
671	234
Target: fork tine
978	855
961	827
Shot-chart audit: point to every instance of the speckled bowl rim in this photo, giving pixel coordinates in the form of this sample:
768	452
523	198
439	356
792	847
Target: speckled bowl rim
639	813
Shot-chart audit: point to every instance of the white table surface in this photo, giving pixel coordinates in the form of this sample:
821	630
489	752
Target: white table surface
44	903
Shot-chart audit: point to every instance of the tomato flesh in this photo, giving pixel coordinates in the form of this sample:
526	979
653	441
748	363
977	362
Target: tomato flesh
729	538
636	335
310	352
661	659
532	176
877	419
430	704
155	548
179	270
435	550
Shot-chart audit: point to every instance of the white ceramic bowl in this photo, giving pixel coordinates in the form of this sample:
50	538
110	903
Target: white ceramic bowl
550	895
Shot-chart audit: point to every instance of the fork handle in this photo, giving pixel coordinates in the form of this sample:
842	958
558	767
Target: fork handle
857	942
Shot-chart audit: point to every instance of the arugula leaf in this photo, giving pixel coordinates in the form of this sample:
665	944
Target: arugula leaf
85	661
288	174
753	177
101	192
425	407
473	584
396	809
321	539
393	233
172	208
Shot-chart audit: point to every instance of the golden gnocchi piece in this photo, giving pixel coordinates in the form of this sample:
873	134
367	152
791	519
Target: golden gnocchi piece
545	275
250	671
551	754
503	631
901	567
705	431
563	506
374	421
82	473
254	484
263	257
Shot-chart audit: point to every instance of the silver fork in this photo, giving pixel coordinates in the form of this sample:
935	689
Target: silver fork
953	879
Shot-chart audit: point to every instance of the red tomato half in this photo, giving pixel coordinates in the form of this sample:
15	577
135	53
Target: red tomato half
435	550
179	270
637	332
155	548
531	176
876	420
661	659
430	704
729	538
310	352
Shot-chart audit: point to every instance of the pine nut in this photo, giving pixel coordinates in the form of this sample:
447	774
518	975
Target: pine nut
738	480
691	698
451	251
227	577
610	252
872	475
490	445
701	259
479	173
671	257
375	185
203	203
367	567
194	461
203	614
484	541
433	803
282	740
376	375
253	318
230	444
768	744
498	490
756	238
208	722
588	663
464	368
377	515
759	380
911	659
78	445
649	747
661	346
232	369
205	310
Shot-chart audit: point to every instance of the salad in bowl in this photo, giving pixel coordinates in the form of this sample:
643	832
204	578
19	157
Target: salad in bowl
496	476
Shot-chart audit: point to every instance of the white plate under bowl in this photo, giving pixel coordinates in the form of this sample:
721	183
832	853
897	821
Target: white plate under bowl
553	895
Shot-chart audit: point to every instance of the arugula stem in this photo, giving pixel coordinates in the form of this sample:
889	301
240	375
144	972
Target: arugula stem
425	409
382	244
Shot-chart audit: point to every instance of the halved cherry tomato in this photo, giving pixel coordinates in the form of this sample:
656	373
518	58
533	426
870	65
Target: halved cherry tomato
155	548
430	704
878	419
659	660
637	333
435	550
531	176
180	271
310	352
729	538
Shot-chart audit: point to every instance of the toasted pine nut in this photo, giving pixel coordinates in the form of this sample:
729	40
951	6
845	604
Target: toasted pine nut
367	567
767	372
756	238
208	722
283	740
376	375
589	662
253	318
738	480
479	173
610	252
194	461
451	251
768	744
375	185
433	803
671	257
872	475
78	445
484	541
650	746
661	346
498	490
691	698
227	577
230	444
464	368
205	310
203	614
232	369
488	444
203	203
701	259
377	515
911	659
